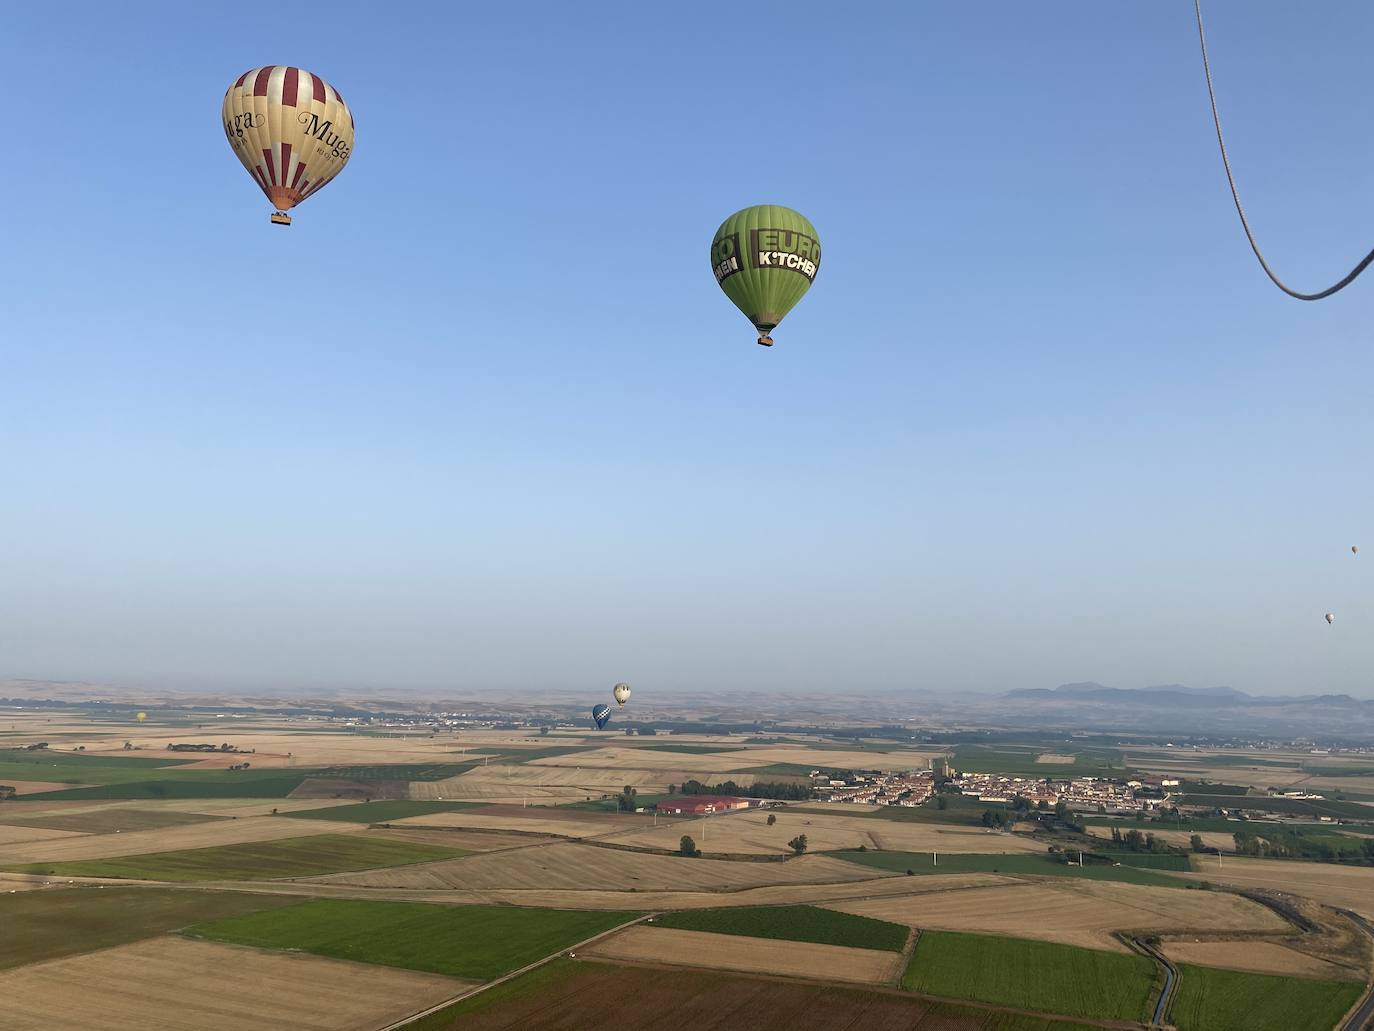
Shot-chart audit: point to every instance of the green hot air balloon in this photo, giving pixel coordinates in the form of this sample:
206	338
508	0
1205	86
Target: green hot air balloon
765	258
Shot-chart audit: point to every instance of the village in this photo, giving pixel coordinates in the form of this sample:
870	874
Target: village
913	787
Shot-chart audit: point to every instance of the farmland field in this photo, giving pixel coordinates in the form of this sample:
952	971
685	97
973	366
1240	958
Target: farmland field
1259	957
793	923
644	944
1040	863
601	996
1083	913
259	860
1034	975
114	819
750	832
167	839
1348	887
569	866
44	925
1209	999
478	942
378	812
176	983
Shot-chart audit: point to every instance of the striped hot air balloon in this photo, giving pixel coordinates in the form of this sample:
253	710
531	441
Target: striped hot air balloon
291	130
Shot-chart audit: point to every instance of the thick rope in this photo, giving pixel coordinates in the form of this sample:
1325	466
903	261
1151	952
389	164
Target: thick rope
1235	196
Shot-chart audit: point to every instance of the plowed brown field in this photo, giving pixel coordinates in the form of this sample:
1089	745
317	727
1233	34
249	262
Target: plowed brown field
177	984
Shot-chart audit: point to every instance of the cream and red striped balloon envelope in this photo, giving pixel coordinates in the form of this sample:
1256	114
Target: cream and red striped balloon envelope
291	130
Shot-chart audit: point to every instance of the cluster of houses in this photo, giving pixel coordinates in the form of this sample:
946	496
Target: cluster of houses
907	788
1083	793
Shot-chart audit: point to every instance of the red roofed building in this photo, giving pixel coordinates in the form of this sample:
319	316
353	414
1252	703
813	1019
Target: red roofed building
700	805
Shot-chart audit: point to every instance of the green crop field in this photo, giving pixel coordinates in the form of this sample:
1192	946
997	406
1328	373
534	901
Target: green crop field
1150	860
205	784
1031	974
254	861
379	812
959	810
793	923
41	925
1020	761
47	757
1014	863
610	805
1286	806
479	942
1231	1000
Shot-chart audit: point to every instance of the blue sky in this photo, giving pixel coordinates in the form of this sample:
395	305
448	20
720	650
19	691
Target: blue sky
481	419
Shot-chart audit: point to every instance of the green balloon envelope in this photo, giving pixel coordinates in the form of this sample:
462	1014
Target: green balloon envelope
765	258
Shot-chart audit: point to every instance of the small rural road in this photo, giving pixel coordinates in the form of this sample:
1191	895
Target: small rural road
1364	1012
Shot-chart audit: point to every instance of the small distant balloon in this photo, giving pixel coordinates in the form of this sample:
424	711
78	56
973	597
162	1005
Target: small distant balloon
141	717
1331	617
621	693
1354	549
601	715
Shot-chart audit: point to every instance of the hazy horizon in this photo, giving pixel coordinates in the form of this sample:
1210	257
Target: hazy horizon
481	419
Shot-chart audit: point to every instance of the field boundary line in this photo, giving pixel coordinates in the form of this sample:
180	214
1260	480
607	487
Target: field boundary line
470	992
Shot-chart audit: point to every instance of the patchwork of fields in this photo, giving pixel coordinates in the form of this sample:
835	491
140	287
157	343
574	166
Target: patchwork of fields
352	914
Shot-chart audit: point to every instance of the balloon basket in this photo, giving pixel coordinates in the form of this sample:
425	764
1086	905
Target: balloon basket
281	218
765	340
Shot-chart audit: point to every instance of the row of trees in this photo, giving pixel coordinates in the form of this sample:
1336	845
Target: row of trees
784	790
1135	841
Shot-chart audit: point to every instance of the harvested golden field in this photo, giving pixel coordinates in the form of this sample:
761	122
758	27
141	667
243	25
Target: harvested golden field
749	832
640	944
1082	913
37	787
1345	887
614	758
177	984
1053	759
574	867
15	833
468	840
244	807
539	821
1259	956
170	839
1212	839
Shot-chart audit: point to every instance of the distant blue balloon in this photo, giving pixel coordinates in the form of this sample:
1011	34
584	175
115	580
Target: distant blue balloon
601	715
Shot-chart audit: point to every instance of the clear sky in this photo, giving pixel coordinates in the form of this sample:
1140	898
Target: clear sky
481	417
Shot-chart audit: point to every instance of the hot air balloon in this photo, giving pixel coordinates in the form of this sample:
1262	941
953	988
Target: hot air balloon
291	130
1354	549
601	715
141	717
621	693
765	258
1331	617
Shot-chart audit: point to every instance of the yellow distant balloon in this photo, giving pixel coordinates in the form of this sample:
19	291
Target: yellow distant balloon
141	717
291	130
